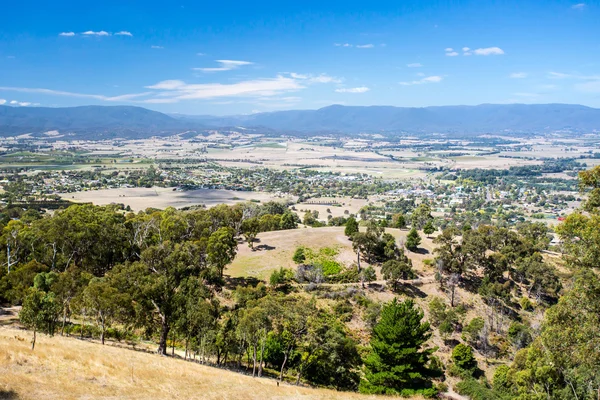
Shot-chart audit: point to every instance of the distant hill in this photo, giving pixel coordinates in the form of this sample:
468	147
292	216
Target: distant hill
92	121
485	118
127	121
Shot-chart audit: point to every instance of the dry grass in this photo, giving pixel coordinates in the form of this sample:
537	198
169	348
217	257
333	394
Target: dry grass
65	368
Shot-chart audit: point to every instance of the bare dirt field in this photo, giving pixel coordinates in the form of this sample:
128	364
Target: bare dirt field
67	368
142	198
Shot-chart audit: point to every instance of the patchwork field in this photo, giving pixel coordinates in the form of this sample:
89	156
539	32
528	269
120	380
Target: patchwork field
142	198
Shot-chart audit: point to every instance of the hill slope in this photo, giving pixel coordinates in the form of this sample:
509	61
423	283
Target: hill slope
93	120
67	368
126	121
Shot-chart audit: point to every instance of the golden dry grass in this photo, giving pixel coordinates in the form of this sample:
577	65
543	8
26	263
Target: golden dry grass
66	368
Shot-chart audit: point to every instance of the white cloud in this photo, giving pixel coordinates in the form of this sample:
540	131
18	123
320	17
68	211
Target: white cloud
452	54
579	6
558	75
488	51
99	33
123	33
179	90
19	103
518	75
429	79
361	89
342	44
414	65
66	34
200	54
365	46
226	65
448	49
2	101
156	47
465	49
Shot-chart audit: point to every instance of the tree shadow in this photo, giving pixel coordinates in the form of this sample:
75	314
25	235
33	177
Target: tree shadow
8	394
411	290
233	282
420	250
265	247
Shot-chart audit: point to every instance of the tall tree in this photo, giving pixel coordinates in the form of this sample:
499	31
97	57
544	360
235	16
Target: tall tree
39	312
397	363
221	249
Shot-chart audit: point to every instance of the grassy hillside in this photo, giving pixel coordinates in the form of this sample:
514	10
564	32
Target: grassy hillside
67	368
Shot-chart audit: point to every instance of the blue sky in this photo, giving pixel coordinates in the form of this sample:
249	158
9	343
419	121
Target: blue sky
230	57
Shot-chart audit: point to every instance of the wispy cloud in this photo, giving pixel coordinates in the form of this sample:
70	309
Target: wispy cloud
72	94
173	91
342	45
93	33
156	47
361	89
465	49
67	34
448	49
225	65
123	33
429	79
578	6
365	46
20	103
518	75
2	101
414	65
452	54
200	54
587	83
488	51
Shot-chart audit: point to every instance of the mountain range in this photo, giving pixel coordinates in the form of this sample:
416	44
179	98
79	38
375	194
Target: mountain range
136	122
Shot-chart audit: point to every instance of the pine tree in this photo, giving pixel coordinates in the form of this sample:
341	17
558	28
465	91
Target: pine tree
428	229
397	363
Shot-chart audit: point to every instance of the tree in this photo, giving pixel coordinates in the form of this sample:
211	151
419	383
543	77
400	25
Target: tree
397	363
351	227
299	255
463	358
250	228
399	221
394	271
221	248
105	302
421	215
39	312
413	240
288	221
155	281
428	229
367	275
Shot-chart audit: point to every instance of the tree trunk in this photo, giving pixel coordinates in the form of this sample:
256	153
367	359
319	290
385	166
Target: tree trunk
164	333
254	358
64	321
358	259
285	358
102	333
262	353
185	356
33	341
